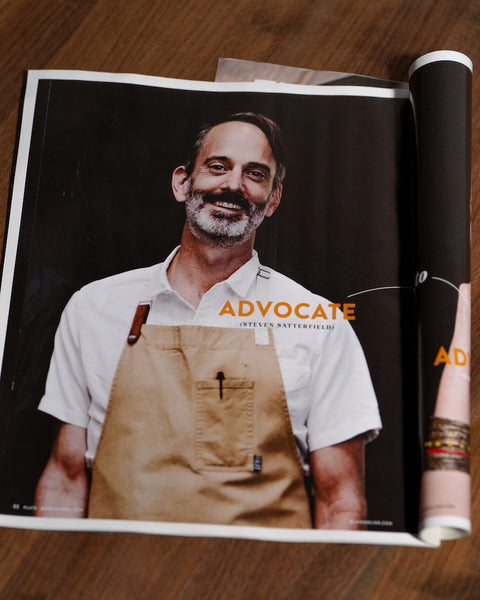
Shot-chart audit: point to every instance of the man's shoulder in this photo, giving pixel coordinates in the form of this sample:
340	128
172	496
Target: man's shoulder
126	287
126	278
283	286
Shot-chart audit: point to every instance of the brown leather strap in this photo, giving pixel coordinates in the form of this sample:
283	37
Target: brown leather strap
139	319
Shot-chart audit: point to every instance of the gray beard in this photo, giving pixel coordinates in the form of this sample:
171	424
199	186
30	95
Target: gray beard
217	228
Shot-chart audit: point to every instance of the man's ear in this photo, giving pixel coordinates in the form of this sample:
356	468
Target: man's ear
274	201
180	184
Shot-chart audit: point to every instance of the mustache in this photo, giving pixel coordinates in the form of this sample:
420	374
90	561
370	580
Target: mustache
227	196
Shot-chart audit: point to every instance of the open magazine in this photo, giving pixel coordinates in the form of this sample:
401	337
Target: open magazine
157	377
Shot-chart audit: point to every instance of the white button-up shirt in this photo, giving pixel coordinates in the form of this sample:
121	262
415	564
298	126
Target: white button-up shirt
329	393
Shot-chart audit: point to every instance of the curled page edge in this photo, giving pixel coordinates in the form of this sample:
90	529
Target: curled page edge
439	55
234	69
437	529
446	492
447	524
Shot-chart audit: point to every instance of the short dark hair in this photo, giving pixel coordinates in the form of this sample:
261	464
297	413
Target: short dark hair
267	126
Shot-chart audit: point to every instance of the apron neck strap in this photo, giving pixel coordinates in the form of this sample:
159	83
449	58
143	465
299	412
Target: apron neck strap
262	337
143	308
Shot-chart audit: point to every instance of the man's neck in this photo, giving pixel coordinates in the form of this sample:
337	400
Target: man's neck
197	266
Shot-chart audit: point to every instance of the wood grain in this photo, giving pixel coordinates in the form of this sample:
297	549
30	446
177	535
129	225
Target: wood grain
184	38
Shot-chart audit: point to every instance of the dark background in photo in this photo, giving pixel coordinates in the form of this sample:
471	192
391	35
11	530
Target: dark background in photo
98	201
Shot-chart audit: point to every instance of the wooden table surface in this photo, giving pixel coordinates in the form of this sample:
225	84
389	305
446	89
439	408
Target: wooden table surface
184	39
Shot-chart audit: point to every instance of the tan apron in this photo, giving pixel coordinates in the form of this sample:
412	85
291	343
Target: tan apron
197	430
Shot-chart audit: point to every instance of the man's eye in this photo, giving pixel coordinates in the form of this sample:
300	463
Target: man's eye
217	167
257	174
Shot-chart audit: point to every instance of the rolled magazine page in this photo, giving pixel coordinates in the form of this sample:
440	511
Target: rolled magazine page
440	84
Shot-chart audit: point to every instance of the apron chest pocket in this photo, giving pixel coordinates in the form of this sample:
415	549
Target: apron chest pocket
224	425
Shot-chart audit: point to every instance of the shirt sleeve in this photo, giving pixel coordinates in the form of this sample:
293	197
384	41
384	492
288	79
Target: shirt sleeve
66	392
343	401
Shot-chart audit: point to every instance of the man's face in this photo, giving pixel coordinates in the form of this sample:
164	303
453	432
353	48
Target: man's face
230	190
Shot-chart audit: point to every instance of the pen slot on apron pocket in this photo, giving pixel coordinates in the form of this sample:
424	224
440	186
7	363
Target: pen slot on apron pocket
224	425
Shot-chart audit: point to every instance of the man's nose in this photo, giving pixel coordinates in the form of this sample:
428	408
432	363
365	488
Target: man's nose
233	180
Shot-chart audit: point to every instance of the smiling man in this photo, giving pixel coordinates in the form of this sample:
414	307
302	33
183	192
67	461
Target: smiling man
175	411
220	178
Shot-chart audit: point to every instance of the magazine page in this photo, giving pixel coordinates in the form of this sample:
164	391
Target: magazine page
160	376
440	85
235	69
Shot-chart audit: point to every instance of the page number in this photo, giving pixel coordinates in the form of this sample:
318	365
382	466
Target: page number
420	277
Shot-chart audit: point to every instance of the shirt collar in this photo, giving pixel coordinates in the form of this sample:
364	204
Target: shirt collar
240	281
